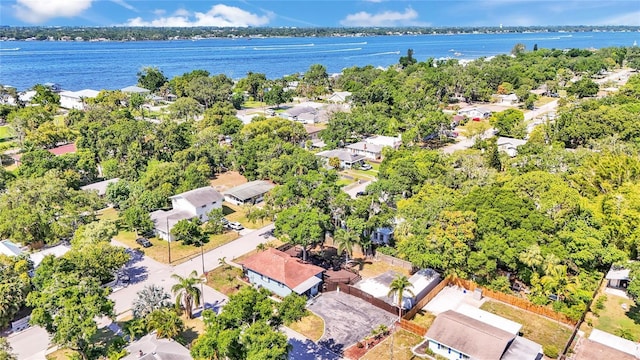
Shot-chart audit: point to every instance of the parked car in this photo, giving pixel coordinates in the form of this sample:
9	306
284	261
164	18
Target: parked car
235	225
224	221
144	242
366	166
360	193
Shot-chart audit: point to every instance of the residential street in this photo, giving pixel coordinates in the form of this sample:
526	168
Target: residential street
32	343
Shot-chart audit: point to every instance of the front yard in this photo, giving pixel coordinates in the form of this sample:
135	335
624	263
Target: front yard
225	279
545	332
311	326
179	252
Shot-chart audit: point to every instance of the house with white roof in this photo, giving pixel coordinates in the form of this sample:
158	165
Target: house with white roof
76	99
249	193
100	187
371	147
150	347
509	145
618	277
339	97
475	112
602	345
187	205
422	282
8	248
135	90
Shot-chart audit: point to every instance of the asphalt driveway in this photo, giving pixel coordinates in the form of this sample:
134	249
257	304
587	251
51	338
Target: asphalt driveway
347	319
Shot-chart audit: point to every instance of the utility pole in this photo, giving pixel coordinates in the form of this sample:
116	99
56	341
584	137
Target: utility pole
169	239
203	274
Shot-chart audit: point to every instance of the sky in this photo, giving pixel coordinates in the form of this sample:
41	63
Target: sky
318	13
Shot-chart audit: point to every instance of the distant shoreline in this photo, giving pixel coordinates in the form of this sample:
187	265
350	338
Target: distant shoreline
127	34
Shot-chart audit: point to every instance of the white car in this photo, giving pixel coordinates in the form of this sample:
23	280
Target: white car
235	225
366	166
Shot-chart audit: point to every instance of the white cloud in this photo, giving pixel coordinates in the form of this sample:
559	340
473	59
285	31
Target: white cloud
125	5
39	11
630	19
220	15
159	12
387	18
373	1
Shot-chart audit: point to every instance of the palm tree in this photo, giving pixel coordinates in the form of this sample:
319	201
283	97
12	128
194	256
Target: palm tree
186	291
165	322
345	240
399	286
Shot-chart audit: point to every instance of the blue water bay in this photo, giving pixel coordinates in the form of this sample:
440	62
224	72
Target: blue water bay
113	65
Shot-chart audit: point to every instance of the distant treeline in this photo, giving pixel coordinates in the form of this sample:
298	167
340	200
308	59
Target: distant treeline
157	33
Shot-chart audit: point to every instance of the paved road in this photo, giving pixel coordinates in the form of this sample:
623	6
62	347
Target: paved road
356	188
32	343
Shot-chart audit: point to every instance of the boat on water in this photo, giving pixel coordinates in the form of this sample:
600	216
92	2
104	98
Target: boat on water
635	43
457	53
10	49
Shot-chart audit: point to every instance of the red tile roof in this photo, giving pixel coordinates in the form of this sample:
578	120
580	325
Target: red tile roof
281	267
64	149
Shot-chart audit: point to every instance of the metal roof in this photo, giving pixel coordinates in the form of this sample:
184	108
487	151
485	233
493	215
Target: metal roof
250	190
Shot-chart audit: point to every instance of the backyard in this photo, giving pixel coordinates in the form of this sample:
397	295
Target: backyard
424	318
618	316
545	332
225	279
311	326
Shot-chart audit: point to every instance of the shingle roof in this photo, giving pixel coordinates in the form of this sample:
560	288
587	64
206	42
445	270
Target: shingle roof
591	350
250	190
281	267
134	89
64	149
100	186
469	336
200	196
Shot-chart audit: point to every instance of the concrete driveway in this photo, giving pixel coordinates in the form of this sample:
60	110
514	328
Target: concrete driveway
347	319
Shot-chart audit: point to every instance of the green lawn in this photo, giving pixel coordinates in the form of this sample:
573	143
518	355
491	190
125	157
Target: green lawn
6	133
424	319
108	214
252	104
614	317
543	100
179	252
239	213
534	327
225	279
58	120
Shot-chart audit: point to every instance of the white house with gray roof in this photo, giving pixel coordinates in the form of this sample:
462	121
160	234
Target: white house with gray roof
347	159
187	205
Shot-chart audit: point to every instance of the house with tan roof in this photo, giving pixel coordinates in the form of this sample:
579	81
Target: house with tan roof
602	345
282	274
195	203
479	335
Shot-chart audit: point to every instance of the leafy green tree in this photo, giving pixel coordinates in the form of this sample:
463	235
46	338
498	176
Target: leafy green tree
214	225
165	322
510	123
407	60
398	287
137	219
346	240
151	78
189	232
315	81
6	352
301	225
185	108
149	299
45	96
67	307
15	284
292	308
180	83
94	233
187	292
276	95
583	88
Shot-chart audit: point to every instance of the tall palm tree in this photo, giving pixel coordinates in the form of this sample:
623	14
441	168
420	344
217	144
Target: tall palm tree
399	286
345	240
186	291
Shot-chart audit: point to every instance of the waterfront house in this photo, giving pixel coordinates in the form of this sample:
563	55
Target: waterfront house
135	90
249	193
195	203
471	333
339	97
76	99
282	274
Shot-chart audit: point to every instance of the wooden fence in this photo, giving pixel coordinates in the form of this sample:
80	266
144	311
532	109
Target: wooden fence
412	327
518	302
395	261
425	300
348	289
